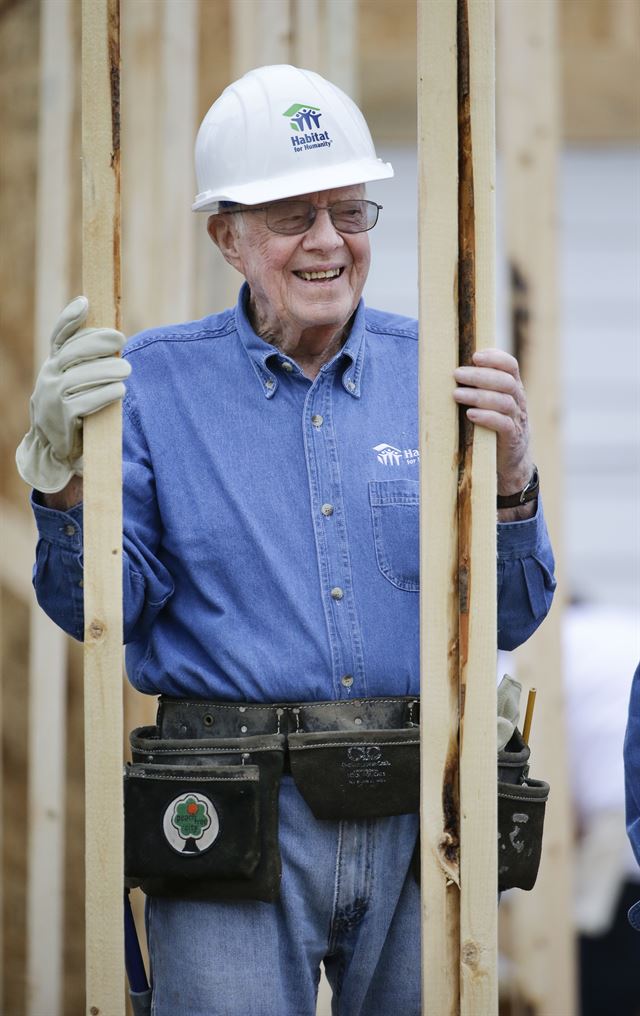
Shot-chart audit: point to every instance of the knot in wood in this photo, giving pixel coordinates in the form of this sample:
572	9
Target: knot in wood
470	954
96	630
94	1010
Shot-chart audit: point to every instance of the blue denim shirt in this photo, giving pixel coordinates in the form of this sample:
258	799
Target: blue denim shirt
632	780
271	522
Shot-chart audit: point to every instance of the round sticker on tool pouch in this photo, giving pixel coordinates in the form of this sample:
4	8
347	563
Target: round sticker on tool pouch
191	824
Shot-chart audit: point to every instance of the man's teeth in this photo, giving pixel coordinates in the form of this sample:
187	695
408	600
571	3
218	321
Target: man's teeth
331	274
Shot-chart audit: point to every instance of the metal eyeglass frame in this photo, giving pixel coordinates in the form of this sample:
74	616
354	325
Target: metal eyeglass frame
327	208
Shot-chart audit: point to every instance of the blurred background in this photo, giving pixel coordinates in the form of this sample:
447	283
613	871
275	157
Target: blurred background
568	197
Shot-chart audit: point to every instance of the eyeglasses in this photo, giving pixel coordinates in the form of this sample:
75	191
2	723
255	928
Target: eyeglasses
289	218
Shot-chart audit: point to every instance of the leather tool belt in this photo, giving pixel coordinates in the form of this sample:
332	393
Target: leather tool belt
201	796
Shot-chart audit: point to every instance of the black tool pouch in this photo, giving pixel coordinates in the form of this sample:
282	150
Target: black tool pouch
521	807
201	816
357	772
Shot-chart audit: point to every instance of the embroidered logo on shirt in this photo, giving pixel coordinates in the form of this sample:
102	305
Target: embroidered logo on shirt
389	455
191	824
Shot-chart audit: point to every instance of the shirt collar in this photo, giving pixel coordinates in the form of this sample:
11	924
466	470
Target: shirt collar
267	361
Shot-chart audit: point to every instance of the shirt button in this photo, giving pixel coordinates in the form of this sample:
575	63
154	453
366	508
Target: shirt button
317	420
287	366
70	530
269	383
337	593
327	510
347	680
351	386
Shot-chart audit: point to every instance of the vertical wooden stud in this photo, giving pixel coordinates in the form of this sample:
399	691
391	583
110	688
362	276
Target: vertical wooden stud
477	523
458	513
174	158
2	667
542	944
306	35
340	56
142	288
103	520
48	644
260	34
438	262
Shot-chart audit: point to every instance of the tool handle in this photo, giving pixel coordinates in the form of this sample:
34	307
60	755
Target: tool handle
528	716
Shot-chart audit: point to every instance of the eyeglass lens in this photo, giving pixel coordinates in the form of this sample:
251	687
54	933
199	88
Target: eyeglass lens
348	216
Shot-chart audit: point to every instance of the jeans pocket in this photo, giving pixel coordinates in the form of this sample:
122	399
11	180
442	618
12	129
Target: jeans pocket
395	510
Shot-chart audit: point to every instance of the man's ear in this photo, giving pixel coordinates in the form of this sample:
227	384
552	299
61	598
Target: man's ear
224	235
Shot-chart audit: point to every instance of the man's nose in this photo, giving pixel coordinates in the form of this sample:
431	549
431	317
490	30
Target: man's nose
322	234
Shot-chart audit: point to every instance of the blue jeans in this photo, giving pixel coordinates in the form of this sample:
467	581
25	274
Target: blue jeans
348	898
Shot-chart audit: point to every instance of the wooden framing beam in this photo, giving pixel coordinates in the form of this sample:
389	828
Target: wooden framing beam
260	34
16	550
103	521
438	264
140	115
340	61
2	696
458	514
477	508
306	34
542	943
47	643
178	124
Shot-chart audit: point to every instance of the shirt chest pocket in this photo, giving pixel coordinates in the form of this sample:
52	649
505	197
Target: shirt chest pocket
395	519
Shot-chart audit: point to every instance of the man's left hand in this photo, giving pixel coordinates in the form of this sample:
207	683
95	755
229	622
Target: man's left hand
492	389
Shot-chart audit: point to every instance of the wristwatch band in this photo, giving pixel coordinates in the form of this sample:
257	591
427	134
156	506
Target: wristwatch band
528	493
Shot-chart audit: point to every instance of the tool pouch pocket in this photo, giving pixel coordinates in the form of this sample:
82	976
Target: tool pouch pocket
350	775
520	822
201	816
521	808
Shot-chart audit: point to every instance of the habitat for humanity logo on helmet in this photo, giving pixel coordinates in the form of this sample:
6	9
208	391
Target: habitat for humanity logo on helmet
302	120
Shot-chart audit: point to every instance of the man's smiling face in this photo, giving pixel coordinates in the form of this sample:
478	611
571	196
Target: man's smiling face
309	281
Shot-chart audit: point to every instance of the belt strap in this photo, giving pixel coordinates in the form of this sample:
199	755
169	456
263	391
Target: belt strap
185	718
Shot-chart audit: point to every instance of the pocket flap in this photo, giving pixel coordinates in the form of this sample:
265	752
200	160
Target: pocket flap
342	774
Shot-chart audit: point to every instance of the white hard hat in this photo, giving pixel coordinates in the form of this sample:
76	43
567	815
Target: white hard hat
281	131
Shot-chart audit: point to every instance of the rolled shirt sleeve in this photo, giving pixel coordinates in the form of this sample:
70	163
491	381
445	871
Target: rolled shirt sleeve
526	581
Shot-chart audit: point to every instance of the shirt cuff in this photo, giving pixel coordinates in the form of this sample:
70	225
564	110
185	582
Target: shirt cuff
524	538
63	528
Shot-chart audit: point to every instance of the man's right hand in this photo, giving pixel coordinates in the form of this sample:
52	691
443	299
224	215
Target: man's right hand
81	375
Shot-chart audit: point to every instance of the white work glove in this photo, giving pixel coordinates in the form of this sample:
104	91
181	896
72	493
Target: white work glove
81	375
508	709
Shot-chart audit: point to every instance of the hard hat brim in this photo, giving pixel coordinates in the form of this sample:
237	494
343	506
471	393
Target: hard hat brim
293	184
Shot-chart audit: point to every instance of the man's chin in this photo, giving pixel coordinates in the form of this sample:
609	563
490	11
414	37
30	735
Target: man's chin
334	314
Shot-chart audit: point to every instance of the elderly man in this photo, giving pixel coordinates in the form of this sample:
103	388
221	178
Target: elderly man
271	572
